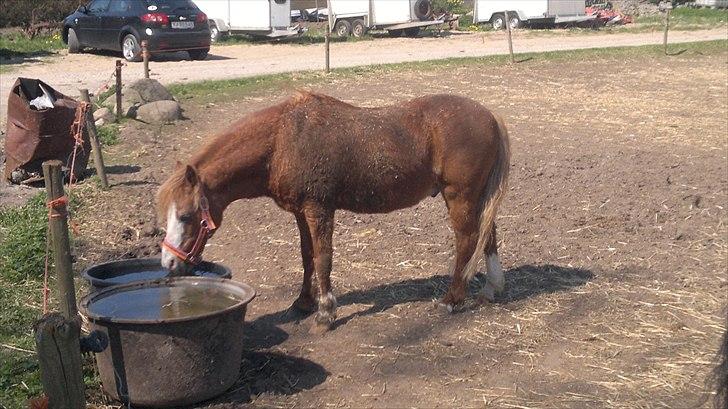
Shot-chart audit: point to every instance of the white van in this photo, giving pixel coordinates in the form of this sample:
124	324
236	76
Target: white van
269	18
522	12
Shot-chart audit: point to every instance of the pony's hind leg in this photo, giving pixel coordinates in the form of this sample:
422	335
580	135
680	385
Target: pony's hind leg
495	281
305	301
321	225
464	219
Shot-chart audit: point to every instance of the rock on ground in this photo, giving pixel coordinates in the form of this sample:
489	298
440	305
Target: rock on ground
104	114
142	92
159	112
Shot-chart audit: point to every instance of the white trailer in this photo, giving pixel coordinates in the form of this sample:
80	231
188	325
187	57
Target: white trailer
269	18
529	12
355	17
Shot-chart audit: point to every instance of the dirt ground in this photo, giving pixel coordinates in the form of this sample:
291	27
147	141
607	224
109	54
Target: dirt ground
613	236
67	72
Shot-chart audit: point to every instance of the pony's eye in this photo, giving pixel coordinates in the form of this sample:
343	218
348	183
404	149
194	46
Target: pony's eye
186	218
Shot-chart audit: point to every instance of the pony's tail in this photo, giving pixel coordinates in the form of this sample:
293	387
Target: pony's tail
494	191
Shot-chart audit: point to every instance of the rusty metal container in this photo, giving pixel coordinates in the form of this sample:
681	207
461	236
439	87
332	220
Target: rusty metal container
172	342
143	269
36	134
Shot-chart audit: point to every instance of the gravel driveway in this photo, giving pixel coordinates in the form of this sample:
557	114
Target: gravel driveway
67	73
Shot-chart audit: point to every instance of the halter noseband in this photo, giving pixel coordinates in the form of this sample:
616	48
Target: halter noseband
207	227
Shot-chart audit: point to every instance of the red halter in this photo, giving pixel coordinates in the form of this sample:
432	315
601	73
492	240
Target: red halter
207	227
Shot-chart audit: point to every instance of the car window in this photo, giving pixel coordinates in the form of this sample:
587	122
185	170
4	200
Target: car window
121	6
98	6
171	5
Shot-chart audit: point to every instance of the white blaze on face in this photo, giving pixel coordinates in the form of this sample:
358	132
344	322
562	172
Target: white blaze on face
175	229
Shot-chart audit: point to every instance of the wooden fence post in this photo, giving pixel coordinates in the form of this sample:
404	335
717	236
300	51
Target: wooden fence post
118	90
145	56
510	40
95	145
667	26
59	358
59	233
327	39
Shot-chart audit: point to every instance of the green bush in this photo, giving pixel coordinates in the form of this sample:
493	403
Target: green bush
24	13
452	6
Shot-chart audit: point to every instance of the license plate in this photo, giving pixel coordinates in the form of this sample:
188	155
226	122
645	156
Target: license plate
183	24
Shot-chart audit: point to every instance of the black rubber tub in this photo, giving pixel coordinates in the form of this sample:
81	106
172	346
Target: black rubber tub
143	269
172	342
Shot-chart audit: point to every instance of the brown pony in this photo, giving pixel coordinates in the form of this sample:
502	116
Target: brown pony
314	154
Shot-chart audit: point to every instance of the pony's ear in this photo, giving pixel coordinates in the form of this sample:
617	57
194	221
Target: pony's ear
191	175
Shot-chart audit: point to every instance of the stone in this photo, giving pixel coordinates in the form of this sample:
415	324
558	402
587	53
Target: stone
104	114
142	92
159	112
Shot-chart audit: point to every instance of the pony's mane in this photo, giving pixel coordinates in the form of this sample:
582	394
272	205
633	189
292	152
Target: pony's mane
165	194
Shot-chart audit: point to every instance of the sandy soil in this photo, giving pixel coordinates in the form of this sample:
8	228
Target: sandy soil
613	235
68	73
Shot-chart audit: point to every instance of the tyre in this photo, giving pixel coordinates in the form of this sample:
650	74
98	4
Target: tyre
395	33
498	21
412	31
199	54
342	28
73	44
131	49
358	29
515	21
423	9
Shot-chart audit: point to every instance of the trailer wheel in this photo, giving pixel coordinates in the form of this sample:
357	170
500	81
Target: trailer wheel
358	29
516	21
395	33
498	21
412	31
215	34
342	28
423	9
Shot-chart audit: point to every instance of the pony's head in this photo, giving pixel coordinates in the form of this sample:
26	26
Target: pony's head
182	201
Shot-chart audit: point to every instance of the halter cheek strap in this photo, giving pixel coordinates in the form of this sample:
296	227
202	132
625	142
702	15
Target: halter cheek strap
207	227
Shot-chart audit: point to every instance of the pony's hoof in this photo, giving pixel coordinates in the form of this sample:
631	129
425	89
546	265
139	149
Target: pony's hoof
486	294
443	306
319	328
304	305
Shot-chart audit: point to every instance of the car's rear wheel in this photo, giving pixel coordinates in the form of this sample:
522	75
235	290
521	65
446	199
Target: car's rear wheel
73	45
199	54
130	48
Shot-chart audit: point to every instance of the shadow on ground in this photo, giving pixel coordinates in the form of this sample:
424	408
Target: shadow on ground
521	283
270	373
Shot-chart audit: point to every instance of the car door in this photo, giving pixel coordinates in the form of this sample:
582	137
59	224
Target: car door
89	24
120	14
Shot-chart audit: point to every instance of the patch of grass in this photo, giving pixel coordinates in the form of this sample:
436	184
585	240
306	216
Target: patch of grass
688	17
22	259
22	247
19	45
22	251
214	90
108	134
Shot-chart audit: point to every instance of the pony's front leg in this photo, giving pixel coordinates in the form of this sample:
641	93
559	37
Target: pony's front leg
320	223
305	301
